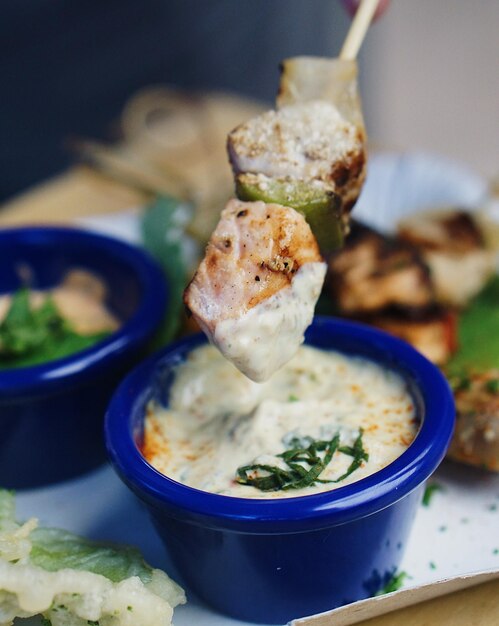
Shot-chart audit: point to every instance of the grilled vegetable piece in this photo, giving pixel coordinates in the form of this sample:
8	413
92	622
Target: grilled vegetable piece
476	438
453	246
433	334
310	154
307	141
374	272
72	581
319	205
255	290
307	78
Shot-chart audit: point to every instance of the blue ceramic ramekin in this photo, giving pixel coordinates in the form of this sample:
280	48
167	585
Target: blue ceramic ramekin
51	414
270	561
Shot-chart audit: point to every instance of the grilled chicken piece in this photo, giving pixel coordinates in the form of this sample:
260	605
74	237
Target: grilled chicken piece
476	438
373	272
306	141
453	246
434	334
255	291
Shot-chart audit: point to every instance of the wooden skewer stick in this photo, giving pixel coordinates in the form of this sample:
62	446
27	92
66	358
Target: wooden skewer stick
358	29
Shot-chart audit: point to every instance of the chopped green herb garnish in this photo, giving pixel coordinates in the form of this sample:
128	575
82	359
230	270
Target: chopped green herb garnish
492	386
293	398
306	459
45	622
495	551
430	491
394	584
29	336
432	565
493	508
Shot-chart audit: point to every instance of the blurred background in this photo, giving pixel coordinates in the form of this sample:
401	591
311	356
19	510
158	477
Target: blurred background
429	76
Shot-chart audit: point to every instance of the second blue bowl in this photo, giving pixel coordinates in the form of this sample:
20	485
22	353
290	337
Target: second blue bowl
51	414
270	561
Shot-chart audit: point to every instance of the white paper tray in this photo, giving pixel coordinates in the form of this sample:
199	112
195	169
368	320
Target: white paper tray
456	534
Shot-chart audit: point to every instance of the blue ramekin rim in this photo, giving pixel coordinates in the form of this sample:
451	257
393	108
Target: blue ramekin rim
287	515
49	378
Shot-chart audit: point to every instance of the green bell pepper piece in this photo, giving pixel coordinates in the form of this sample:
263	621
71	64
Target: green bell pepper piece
320	206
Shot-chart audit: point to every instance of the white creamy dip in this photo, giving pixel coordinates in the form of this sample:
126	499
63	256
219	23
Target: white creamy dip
261	340
218	420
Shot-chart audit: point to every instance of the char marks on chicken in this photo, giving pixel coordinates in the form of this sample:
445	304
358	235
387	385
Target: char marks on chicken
307	141
255	290
373	273
453	247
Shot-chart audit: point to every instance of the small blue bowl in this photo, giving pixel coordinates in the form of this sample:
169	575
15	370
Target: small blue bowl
51	414
270	561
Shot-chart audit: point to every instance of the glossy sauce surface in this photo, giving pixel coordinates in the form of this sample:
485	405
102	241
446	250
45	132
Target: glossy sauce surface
261	340
218	420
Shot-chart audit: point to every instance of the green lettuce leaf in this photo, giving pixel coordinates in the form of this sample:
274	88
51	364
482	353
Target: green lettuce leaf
54	549
71	581
478	333
164	236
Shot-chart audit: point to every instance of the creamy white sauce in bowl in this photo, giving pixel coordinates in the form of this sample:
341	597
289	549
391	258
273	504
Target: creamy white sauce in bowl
217	422
350	537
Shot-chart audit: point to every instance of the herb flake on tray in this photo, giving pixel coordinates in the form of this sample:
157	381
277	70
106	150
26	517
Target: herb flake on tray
394	584
429	492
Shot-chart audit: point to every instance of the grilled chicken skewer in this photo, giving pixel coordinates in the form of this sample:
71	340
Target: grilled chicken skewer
298	172
255	291
299	167
310	153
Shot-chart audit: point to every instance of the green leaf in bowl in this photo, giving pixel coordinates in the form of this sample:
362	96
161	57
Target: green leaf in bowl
33	335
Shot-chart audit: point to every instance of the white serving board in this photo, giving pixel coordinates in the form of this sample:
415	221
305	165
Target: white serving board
457	534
